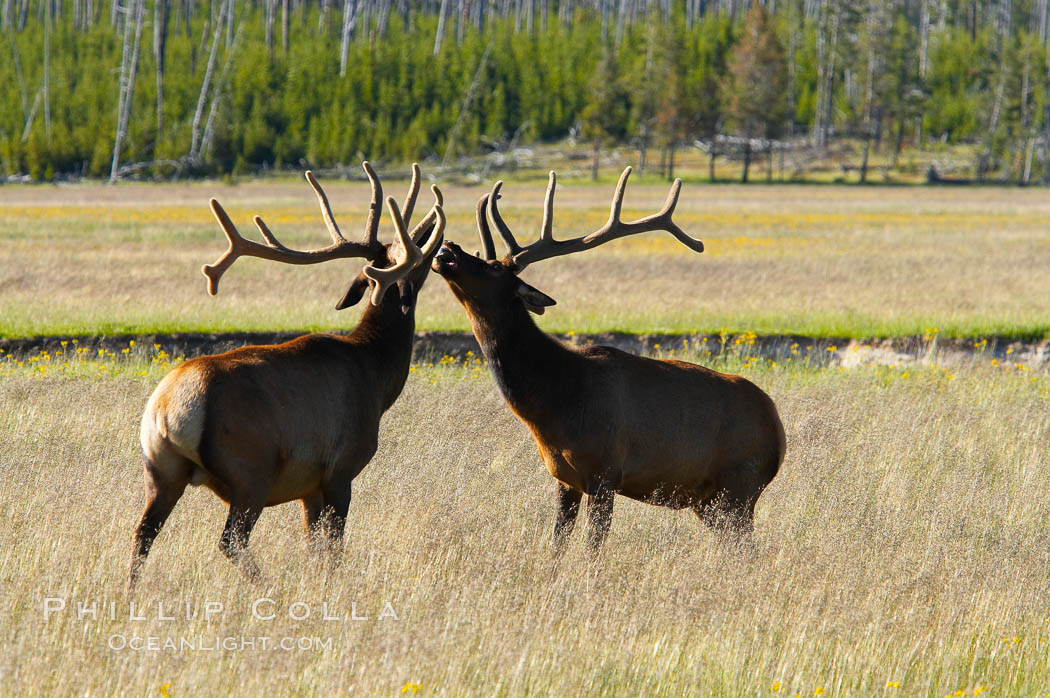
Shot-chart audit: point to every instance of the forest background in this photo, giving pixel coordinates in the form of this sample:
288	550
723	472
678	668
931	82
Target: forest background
164	88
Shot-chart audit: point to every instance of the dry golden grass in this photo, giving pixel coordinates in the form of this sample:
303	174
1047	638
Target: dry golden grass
902	551
818	260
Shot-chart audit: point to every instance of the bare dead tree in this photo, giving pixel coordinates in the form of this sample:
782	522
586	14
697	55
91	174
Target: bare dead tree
827	44
205	84
440	33
322	20
271	11
284	26
47	66
229	23
383	18
161	14
17	58
349	22
209	126
128	69
453	135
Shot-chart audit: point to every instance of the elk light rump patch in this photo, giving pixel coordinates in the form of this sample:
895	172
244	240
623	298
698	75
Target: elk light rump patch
175	413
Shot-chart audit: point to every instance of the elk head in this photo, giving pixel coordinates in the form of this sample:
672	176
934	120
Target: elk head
401	264
487	286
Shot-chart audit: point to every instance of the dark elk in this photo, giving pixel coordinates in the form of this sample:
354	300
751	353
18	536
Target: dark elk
607	422
264	425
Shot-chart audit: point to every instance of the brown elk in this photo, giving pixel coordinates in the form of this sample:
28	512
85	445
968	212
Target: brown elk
607	422
264	425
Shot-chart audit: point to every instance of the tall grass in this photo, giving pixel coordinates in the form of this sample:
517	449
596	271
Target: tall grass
902	550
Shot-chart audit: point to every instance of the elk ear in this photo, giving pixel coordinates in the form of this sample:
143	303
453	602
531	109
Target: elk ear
533	298
355	293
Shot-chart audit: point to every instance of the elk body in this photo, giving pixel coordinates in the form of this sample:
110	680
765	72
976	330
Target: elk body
607	422
264	425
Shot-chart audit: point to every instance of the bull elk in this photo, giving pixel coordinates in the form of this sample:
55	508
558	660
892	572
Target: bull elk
607	422
264	425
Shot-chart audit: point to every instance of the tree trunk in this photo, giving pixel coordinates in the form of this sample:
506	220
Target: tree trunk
643	146
864	158
349	22
17	58
621	22
205	84
127	83
162	9
209	127
384	17
711	161
271	11
47	67
670	159
440	33
284	26
747	161
594	161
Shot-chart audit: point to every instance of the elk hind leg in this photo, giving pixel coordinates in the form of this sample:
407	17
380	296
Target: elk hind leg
165	478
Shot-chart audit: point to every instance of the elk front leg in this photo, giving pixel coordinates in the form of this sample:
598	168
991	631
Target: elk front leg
599	517
565	518
234	541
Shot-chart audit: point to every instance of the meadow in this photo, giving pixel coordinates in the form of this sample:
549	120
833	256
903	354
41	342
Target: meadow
825	261
901	551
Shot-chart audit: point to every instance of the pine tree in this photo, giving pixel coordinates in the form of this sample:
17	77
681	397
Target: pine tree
606	113
757	85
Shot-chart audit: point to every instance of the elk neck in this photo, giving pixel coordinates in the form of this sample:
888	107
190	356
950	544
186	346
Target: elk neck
532	369
385	335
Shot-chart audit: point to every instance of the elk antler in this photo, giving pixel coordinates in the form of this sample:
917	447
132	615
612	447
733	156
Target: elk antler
409	254
547	247
274	250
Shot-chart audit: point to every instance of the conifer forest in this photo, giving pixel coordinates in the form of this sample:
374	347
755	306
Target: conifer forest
115	89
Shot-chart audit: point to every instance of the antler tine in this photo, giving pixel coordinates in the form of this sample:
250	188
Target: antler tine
412	254
424	227
547	231
438	233
413	191
215	271
273	250
547	247
326	209
374	209
484	231
501	226
617	201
